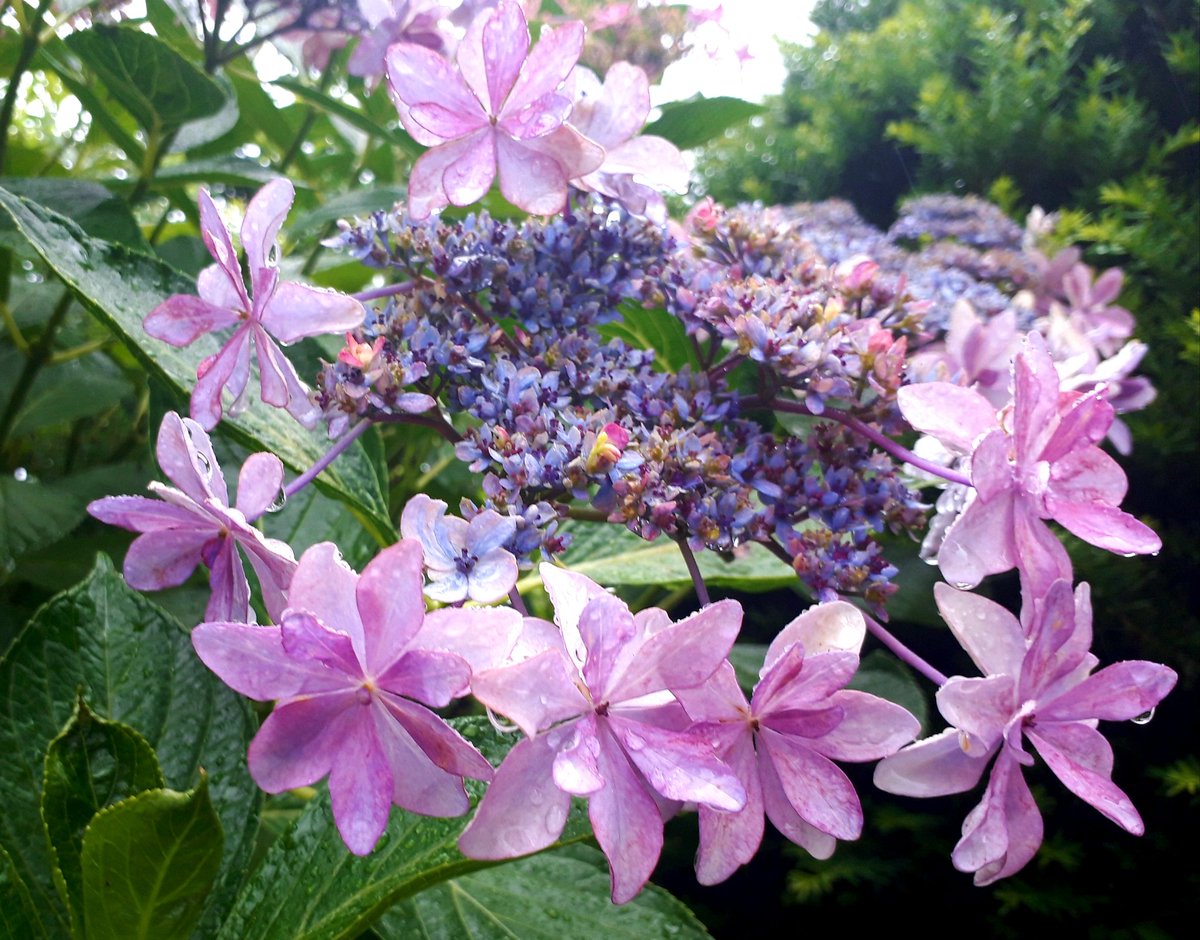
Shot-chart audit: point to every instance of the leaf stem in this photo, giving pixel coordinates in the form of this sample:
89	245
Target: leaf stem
329	457
39	355
902	652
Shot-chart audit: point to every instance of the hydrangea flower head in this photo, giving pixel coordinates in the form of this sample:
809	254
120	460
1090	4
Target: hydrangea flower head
193	522
464	560
602	724
502	111
783	743
351	690
269	311
1038	686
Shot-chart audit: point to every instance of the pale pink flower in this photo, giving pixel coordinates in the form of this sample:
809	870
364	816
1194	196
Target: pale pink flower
351	686
193	522
270	311
601	724
635	166
783	743
1035	460
464	560
500	110
1039	686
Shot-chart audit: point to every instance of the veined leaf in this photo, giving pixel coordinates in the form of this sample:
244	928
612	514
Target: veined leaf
698	120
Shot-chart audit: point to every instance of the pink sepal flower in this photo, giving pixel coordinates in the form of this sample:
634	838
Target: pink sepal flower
1036	460
270	311
464	560
193	522
602	724
502	110
1038	686
784	742
635	166
351	689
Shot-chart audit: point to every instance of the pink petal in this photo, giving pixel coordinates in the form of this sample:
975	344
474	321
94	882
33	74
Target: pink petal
819	792
306	639
1107	286
390	603
300	741
823	628
186	456
719	698
617	111
491	54
992	637
417	75
784	817
281	386
420	786
956	416
534	172
547	67
1084	422
979	543
259	484
650	160
230	598
682	655
870	728
182	319
1116	693
493	577
165	558
980	707
213	285
934	766
798	682
459	172
991	473
1087	475
360	785
250	660
1082	759
730	840
273	565
428	676
625	821
1003	832
230	366
216	239
139	514
522	810
298	310
424	519
576	767
1105	527
608	629
535	693
437	740
569	593
1035	397
484	637
260	226
324	586
1040	556
680	765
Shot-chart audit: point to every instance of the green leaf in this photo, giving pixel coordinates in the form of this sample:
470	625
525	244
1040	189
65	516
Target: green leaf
67	391
309	886
92	764
148	865
153	82
654	329
747	659
882	674
33	514
352	116
233	171
121	286
18	917
610	554
357	202
207	129
564	893
698	120
89	205
135	665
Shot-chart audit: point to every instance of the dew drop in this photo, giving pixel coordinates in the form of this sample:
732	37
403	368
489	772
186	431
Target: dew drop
383	841
278	502
205	466
20	474
1143	718
635	743
962	585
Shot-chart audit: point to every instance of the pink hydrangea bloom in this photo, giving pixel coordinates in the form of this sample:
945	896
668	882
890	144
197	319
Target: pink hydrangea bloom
1036	460
635	166
502	110
601	724
270	311
193	522
977	353
464	560
783	743
351	687
1105	324
1038	686
392	21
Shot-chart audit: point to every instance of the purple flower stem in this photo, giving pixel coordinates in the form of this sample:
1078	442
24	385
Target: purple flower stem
390	290
694	570
518	603
326	459
903	653
875	436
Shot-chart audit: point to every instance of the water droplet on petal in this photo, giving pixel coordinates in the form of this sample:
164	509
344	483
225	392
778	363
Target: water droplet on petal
1144	718
278	502
962	585
20	474
205	466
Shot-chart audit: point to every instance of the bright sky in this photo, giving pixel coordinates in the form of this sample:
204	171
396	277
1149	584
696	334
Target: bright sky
753	24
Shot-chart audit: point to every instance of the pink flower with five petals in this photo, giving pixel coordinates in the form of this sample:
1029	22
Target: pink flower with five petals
269	311
503	110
